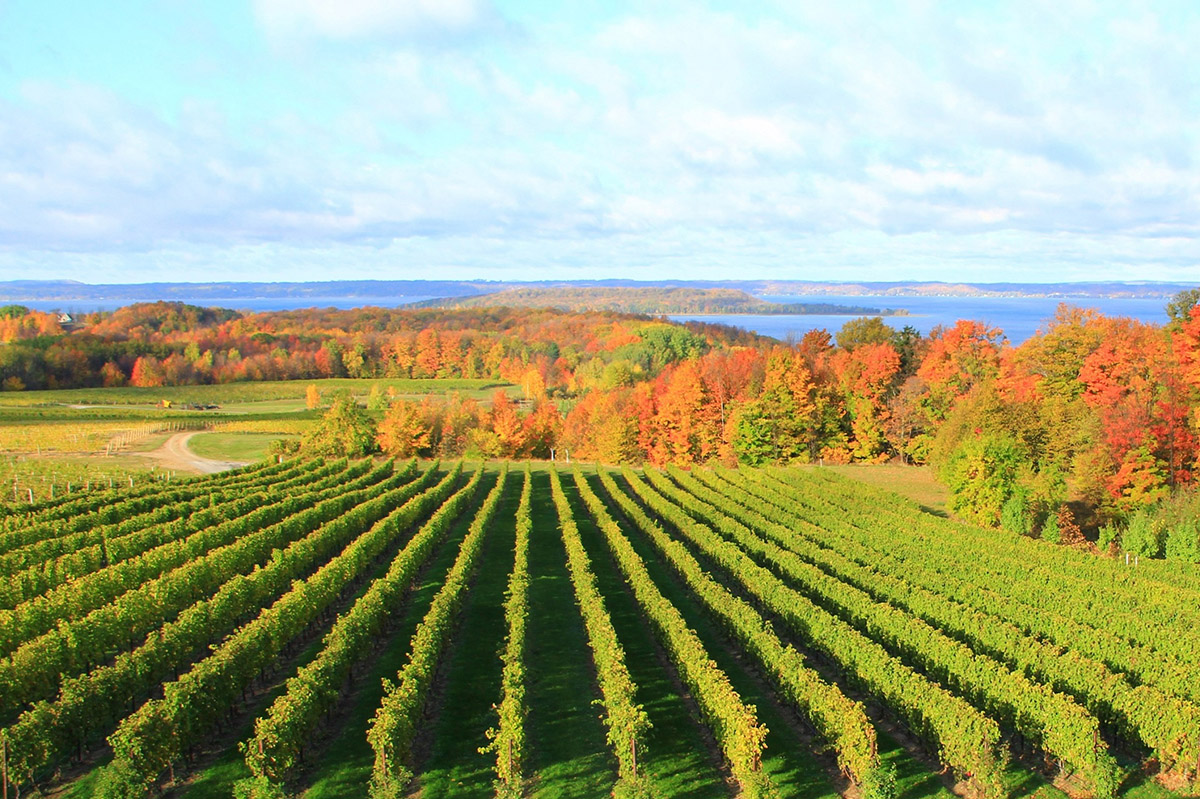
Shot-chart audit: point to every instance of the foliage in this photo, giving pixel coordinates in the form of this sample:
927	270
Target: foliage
344	430
982	475
1015	515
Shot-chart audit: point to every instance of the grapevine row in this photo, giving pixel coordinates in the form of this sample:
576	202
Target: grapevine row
1052	719
57	554
626	721
1104	596
281	733
966	740
93	511
841	721
394	726
181	543
734	723
940	574
96	701
162	730
1164	723
35	668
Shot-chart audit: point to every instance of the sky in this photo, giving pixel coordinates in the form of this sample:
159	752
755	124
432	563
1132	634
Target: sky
173	140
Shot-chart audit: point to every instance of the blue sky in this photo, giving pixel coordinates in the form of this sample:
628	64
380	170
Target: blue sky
325	139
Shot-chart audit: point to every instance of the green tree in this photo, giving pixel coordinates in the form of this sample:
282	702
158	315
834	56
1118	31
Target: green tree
1180	307
344	430
982	474
864	330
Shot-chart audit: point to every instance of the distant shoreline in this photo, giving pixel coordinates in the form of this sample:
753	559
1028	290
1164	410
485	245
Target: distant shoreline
232	293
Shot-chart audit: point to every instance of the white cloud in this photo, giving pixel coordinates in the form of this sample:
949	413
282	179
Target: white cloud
359	19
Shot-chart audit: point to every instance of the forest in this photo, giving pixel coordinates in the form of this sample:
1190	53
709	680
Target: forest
1091	428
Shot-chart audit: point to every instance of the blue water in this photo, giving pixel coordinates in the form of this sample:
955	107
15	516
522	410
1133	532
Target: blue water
1018	317
237	303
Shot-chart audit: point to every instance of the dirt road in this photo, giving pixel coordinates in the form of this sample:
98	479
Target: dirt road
174	455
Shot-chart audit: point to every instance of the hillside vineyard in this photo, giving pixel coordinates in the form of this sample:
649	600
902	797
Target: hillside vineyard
387	626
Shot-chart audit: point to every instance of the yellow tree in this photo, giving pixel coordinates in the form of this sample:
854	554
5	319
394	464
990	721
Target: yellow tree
403	431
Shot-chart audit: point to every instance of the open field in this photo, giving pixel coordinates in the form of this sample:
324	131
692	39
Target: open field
81	437
918	483
238	393
245	447
774	632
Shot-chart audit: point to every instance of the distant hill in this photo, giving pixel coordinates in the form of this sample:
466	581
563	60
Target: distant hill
380	290
668	300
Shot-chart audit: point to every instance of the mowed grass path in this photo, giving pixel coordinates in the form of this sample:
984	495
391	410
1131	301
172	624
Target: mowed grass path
678	756
343	767
469	684
569	754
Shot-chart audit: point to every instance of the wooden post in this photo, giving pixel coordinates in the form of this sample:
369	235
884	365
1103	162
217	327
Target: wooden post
131	482
31	496
633	755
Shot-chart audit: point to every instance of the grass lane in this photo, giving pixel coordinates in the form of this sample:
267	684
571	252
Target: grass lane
343	768
567	749
680	758
469	685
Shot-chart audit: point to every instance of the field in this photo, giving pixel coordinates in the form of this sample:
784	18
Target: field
52	442
350	628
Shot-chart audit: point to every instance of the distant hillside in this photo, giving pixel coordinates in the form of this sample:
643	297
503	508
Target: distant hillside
229	293
650	301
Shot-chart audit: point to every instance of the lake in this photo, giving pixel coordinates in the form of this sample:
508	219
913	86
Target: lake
1018	317
236	303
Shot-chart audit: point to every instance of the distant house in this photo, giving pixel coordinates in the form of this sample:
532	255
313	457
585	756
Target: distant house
66	319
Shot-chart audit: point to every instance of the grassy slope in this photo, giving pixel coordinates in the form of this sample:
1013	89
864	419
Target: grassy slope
568	751
248	392
243	447
918	483
788	759
677	756
453	766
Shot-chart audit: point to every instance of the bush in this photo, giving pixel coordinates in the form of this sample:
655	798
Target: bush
982	476
1110	536
1142	536
1015	515
344	431
1183	541
1050	530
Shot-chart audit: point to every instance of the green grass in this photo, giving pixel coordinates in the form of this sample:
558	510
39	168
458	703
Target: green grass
239	447
676	757
343	767
569	754
918	483
454	766
230	393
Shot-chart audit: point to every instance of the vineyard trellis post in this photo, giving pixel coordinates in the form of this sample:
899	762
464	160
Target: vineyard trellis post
633	755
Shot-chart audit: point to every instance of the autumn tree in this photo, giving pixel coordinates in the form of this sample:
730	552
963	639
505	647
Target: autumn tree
344	430
403	431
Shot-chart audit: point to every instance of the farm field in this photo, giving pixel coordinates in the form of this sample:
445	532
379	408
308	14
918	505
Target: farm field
56	441
344	629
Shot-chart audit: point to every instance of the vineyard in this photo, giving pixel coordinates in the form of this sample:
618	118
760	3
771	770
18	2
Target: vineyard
390	629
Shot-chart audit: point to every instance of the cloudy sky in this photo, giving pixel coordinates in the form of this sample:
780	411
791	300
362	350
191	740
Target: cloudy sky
392	139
